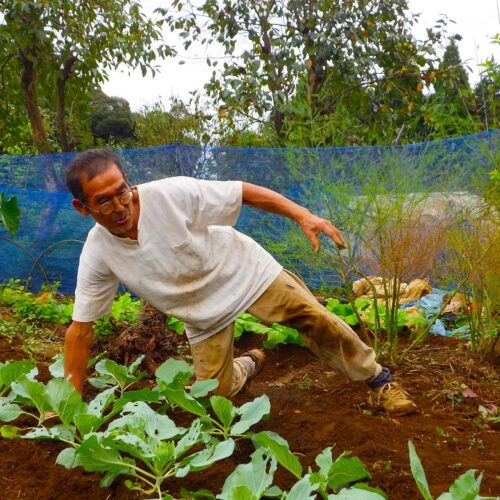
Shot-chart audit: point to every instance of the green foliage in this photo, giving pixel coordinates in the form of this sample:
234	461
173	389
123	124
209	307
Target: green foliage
113	375
465	487
9	213
56	52
111	119
34	308
175	324
292	50
276	333
347	311
128	433
450	107
124	311
154	125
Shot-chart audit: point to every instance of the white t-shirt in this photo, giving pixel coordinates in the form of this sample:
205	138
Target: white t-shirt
187	261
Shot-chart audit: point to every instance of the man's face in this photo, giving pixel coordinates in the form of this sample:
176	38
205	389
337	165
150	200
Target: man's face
107	187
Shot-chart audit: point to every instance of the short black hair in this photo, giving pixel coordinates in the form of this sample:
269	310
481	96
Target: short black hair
91	163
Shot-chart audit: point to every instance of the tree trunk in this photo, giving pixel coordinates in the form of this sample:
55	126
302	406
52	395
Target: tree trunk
28	85
61	102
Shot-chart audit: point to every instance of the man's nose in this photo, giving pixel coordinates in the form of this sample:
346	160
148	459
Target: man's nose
117	203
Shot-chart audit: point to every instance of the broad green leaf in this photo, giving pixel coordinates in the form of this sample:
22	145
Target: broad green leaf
58	433
203	493
249	323
346	470
56	369
9	431
251	413
146	395
110	476
99	404
174	373
274	492
192	437
255	477
356	494
184	401
67	458
163	456
324	461
86	423
202	388
224	409
280	334
280	450
466	487
238	330
240	492
138	415
9	213
302	490
176	324
418	472
135	365
204	458
132	444
15	370
367	487
351	319
34	391
96	458
9	412
118	373
64	399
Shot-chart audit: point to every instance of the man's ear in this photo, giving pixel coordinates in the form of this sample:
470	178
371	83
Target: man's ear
80	207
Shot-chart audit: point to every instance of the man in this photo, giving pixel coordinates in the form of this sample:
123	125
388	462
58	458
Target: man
172	243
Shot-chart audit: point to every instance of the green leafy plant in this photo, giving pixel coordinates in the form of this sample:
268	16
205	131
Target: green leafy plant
123	432
466	486
124	311
113	375
276	333
35	308
9	213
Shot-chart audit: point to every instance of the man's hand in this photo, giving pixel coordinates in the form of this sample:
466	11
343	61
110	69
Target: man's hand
271	201
312	225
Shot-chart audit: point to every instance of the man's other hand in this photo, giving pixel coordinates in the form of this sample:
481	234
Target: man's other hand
312	225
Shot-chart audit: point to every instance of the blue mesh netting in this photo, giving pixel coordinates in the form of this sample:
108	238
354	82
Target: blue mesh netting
51	230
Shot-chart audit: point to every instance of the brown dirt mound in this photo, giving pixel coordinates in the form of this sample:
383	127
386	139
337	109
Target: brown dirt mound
150	337
313	408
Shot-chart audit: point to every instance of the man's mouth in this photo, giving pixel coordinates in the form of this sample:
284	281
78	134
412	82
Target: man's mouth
122	220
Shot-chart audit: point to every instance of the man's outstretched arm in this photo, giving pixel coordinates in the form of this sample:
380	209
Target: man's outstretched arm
77	352
271	201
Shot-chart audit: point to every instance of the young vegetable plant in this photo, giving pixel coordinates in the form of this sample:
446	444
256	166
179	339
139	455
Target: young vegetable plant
11	372
228	420
148	447
465	487
112	374
333	479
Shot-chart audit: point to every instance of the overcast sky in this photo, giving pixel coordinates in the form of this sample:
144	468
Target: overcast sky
476	20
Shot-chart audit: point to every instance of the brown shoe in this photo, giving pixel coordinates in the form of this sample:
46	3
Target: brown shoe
258	357
392	399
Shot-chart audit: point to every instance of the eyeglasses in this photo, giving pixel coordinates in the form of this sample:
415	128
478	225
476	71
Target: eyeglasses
107	207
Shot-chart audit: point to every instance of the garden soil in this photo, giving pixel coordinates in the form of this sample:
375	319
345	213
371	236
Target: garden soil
312	407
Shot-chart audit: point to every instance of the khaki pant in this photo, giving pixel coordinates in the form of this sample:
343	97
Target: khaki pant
289	302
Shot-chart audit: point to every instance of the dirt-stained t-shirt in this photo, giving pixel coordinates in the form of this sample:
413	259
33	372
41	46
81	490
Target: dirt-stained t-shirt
187	261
